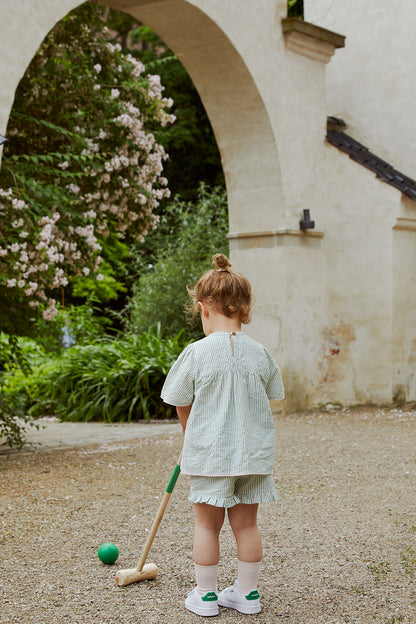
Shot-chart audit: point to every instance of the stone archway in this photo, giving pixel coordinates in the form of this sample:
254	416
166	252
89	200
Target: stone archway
227	88
213	48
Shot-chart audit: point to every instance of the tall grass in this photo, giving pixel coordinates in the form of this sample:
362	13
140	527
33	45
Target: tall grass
110	380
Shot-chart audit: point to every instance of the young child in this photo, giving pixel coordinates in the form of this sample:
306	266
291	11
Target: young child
221	386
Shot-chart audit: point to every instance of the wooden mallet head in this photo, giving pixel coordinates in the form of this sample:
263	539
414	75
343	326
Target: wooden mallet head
133	575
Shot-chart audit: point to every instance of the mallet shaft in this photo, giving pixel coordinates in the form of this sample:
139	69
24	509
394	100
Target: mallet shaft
142	572
162	507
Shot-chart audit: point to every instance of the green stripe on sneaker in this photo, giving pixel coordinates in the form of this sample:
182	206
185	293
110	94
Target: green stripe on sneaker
253	595
209	597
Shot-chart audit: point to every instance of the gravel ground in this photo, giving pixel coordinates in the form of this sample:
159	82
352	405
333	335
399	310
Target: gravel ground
339	546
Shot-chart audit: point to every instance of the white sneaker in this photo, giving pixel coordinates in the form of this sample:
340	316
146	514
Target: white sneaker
202	605
232	598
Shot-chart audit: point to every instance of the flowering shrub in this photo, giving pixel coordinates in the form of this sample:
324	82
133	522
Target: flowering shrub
82	161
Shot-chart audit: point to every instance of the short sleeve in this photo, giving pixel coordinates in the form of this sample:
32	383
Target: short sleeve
274	386
178	388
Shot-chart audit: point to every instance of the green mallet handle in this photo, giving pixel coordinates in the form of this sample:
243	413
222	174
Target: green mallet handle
159	515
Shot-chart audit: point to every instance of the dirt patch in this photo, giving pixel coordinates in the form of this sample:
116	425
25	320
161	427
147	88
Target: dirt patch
339	546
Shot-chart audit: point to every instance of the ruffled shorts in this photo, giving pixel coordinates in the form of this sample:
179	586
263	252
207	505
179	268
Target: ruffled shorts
229	491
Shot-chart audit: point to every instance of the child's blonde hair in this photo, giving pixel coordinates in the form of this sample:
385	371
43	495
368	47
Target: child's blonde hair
224	290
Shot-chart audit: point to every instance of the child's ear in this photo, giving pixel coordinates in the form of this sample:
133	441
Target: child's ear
203	309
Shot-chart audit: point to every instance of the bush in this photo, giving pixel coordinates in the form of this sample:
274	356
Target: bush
110	380
188	236
12	429
21	353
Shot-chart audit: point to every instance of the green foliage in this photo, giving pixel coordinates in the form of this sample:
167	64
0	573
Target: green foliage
15	352
295	8
18	352
188	235
79	324
12	429
114	270
193	152
110	380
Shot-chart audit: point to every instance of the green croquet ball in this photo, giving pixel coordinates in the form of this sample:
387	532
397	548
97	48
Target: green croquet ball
108	553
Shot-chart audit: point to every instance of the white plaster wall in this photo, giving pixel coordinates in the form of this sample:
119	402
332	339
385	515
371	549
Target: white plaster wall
23	26
358	256
289	308
371	82
404	307
292	88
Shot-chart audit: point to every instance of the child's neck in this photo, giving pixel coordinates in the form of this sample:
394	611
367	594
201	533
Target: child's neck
220	323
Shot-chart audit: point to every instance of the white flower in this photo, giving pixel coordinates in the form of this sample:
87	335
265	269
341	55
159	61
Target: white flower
50	312
18	204
100	277
73	188
86	270
114	47
97	68
32	288
115	93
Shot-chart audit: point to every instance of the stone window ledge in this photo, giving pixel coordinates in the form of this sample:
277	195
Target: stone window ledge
309	40
284	237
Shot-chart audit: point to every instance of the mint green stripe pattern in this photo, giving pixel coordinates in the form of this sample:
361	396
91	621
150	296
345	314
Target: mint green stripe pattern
228	379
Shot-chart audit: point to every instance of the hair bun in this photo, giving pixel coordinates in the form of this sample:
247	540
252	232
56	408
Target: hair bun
221	262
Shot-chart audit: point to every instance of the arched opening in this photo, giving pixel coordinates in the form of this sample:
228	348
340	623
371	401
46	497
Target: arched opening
211	54
226	87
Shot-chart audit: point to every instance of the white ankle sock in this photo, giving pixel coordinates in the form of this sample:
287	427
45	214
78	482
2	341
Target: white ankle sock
248	576
206	578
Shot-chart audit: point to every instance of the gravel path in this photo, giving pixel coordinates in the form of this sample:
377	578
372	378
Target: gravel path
339	546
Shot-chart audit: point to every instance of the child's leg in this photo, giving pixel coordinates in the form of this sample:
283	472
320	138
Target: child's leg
243	521
203	600
208	524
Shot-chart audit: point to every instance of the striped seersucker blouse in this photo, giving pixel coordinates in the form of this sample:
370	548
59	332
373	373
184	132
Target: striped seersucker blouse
228	378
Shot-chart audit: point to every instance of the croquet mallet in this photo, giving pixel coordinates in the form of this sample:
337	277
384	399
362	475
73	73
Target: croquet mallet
149	571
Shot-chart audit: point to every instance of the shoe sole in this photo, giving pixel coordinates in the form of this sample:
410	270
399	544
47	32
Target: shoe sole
241	608
204	612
